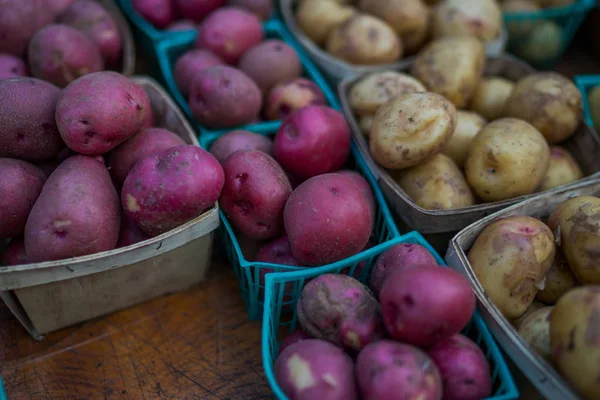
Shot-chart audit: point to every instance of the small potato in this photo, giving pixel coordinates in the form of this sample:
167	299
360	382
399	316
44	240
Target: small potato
508	158
468	125
563	169
317	18
20	20
364	40
452	67
543	45
510	258
558	281
190	64
479	18
12	66
233	141
535	331
437	184
548	101
262	8
160	13
15	254
376	89
519	28
410	129
536	305
490	97
287	97
365	124
576	223
365	188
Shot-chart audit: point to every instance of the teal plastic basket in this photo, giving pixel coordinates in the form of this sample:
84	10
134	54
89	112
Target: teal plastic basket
170	50
282	293
522	26
585	83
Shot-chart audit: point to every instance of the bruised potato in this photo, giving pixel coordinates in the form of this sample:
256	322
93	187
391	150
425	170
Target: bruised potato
468	125
376	89
436	184
479	18
490	97
536	332
508	158
317	18
563	169
452	67
410	129
558	281
364	40
548	101
510	258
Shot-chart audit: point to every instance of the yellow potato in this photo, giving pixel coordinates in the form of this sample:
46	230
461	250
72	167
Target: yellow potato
452	67
575	339
535	330
594	104
563	169
508	158
548	101
479	18
490	97
510	258
365	40
317	18
519	28
517	322
543	44
577	222
558	281
376	89
411	128
365	123
437	184
468	125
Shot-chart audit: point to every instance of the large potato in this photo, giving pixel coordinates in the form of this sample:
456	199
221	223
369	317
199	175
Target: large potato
479	18
468	125
510	258
519	28
376	89
548	101
410	129
436	184
365	40
536	332
508	158
490	97
575	339
577	223
317	18
563	169
558	281
452	67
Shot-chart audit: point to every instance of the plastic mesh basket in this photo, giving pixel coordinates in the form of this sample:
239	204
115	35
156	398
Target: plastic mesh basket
586	83
282	293
541	37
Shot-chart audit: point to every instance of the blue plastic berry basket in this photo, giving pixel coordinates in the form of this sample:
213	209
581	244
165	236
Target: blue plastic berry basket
554	27
169	50
279	318
586	83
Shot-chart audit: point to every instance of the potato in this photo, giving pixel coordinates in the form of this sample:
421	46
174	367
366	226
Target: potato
190	64
258	61
340	309
292	338
76	214
160	13
14	254
317	18
365	188
20	186
262	8
410	129
510	258
197	10
129	233
437	184
12	67
535	331
364	40
479	18
59	6
388	370
468	125
594	104
365	124
563	169
27	125
19	21
277	251
536	305
557	282
376	89
287	97
548	101
543	45
233	141
452	67
508	158
519	28
99	111
575	339
577	227
490	97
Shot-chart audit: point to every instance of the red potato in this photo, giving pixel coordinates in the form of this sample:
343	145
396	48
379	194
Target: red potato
160	13
312	141
290	96
229	32
360	266
277	251
20	185
262	8
19	21
464	369
197	10
292	338
99	111
388	370
233	141
425	304
12	66
14	254
315	369
190	64
59	6
60	54
255	193
145	143
129	233
181	25
76	214
365	188
171	187
27	126
224	97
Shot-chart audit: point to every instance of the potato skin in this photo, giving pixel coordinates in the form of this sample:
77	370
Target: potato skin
548	101
452	67
289	96
507	158
536	305
19	21
479	18
12	66
510	258
468	125
490	97
558	281
257	62
233	141
535	330
563	169
410	129
317	18
575	339
437	184
190	64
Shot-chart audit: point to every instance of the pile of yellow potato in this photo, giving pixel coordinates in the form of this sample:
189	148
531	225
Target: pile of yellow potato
520	259
451	137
